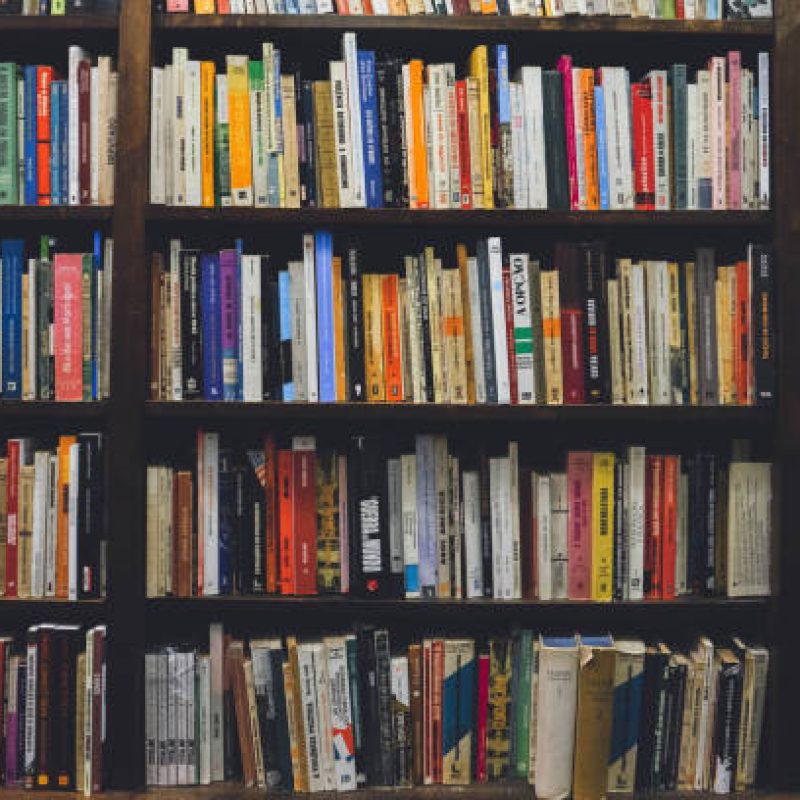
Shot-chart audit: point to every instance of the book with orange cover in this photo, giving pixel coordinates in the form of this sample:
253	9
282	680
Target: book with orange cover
207	116
271	516
392	362
589	130
204	7
62	516
286	572
744	339
239	122
418	191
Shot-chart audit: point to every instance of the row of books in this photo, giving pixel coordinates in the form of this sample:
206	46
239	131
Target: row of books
385	132
53	687
56	8
428	517
56	316
573	715
58	133
446	325
53	541
654	9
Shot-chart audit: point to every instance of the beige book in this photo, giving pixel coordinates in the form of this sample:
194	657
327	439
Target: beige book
327	182
691	709
255	728
475	133
291	177
27	477
466	321
414	330
551	328
453	331
151	581
104	171
674	311
615	343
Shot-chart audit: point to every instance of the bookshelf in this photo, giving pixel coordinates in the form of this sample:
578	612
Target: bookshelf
133	423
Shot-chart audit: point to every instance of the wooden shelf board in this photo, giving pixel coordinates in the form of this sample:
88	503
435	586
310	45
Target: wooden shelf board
44	410
77	23
55	213
757	29
499	218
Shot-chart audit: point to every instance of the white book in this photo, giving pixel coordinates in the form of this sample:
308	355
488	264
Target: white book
615	342
559	527
495	248
616	110
620	8
210	511
41	461
523	341
441	479
152	531
704	653
325	7
440	169
51	527
252	381
324	715
540	491
408	472
518	161
259	105
764	130
622	85
341	714
356	151
408	126
718	115
342	134
150	719
237	7
72	527
473	555
690	9
658	332
639	389
169	119
261	6
636	522
310	291
249	6
500	509
203	728
478	365
216	682
556	711
298	323
514	562
692	146
180	55
661	127
194	175
75	55
157	123
704	171
31	661
533	128
453	150
577	113
184	704
33	348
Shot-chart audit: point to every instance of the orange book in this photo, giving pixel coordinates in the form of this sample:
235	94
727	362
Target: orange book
488	6
373	338
392	358
207	112
466	313
271	520
62	522
338	331
743	343
239	124
286	574
419	148
589	140
204	7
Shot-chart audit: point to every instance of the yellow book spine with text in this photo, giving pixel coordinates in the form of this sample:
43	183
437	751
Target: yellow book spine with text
373	339
291	177
239	121
25	529
327	183
62	517
207	84
479	69
433	272
602	526
204	7
298	741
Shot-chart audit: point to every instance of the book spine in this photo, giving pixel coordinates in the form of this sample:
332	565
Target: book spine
579	477
370	124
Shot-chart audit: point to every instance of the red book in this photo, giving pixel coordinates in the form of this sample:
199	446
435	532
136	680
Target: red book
482	719
437	658
462	120
223	6
12	521
68	326
427	696
44	78
271	516
743	341
510	348
653	488
569	285
565	68
305	521
669	526
84	133
579	521
680	9
392	362
286	576
342	8
643	157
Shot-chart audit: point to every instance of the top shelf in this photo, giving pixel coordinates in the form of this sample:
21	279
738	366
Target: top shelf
66	24
750	29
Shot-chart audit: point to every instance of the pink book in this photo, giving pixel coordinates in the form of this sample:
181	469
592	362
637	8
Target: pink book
12	519
177	6
579	498
735	124
481	775
565	68
68	327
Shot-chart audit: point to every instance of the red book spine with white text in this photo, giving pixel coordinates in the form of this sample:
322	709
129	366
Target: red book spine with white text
669	527
482	719
654	486
44	79
643	158
12	519
579	521
68	326
565	68
305	521
462	118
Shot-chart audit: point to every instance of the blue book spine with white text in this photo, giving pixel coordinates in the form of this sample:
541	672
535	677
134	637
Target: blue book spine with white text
285	326
64	137
370	129
31	188
212	333
274	157
55	142
503	87
602	146
97	265
240	308
12	251
323	257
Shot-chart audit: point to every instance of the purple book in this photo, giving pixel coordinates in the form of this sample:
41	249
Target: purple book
229	301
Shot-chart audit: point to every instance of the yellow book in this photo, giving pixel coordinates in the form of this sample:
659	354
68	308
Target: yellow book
723	330
207	84
204	7
25	530
690	328
602	525
294	708
418	152
675	356
327	182
479	69
62	517
239	120
373	339
551	335
488	6
338	331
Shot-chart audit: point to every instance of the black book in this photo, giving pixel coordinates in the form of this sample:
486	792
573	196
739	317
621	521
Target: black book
45	362
369	706
355	326
555	138
654	664
486	522
705	274
355	680
762	323
391	117
226	492
280	746
425	325
620	569
660	719
256	500
596	354
22	709
10	6
243	531
270	333
383	675
271	707
677	689
191	326
369	534
726	724
696	557
308	176
91	504
487	335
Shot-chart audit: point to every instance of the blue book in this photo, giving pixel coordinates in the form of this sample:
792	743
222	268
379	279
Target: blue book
292	7
323	258
602	146
285	329
97	267
55	142
503	90
273	158
370	129
29	143
12	252
239	243
458	700
64	137
628	686
212	332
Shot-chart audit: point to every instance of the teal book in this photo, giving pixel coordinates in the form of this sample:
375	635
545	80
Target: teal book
628	684
9	169
521	702
458	693
677	82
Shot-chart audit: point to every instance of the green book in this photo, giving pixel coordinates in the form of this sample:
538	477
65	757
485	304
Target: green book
522	702
9	164
222	144
667	9
58	8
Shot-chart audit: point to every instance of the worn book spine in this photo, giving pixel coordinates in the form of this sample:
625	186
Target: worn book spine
498	755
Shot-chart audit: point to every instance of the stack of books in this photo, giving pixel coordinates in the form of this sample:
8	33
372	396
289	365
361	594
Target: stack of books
56	316
449	325
432	518
53	537
58	134
571	715
381	131
54	687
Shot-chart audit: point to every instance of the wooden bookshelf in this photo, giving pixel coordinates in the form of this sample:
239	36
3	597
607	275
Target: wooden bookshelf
136	425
